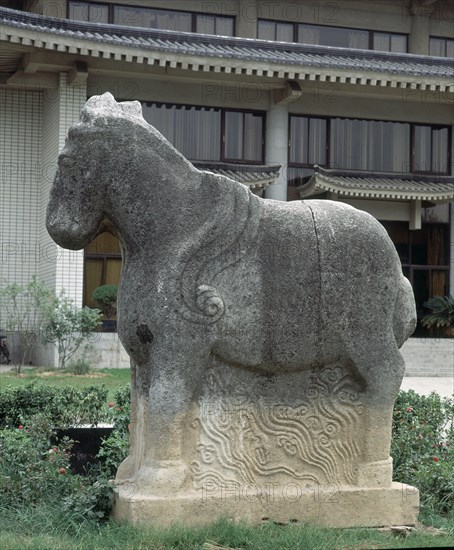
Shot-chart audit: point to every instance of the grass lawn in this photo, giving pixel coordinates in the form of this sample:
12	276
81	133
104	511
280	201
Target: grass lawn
60	526
44	529
111	378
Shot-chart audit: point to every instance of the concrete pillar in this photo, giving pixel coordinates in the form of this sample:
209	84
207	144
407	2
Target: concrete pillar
277	149
418	39
246	19
59	268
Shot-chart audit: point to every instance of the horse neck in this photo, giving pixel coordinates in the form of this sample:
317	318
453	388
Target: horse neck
196	207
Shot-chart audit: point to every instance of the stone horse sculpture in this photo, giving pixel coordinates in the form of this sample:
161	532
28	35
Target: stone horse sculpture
214	275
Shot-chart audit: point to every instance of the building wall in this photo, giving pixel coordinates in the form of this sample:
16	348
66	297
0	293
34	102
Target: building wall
20	144
429	357
33	127
423	356
107	352
69	272
424	20
49	113
60	269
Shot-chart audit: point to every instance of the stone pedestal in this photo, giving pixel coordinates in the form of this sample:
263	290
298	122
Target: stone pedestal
397	504
279	447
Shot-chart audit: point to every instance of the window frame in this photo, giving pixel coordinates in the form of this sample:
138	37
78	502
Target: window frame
98	256
371	32
413	163
412	152
446	40
89	6
193	14
410	266
260	113
223	110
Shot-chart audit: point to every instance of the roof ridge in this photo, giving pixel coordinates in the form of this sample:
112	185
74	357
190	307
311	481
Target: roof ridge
361	174
17	16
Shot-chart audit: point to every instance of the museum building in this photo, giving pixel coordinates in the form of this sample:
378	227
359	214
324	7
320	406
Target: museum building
349	100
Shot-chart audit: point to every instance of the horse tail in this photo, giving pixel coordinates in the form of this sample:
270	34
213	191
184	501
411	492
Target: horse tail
404	321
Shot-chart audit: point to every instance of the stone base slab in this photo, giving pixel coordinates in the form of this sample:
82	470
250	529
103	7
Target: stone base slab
326	506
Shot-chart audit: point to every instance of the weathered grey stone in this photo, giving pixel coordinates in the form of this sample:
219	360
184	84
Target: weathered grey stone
264	336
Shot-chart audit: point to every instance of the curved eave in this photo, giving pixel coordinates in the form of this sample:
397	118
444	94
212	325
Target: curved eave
174	57
319	184
253	184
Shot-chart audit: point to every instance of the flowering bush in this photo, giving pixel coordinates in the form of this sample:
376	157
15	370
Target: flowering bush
423	447
114	449
32	470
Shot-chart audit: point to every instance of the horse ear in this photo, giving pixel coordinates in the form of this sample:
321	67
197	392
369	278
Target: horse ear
97	105
105	105
131	108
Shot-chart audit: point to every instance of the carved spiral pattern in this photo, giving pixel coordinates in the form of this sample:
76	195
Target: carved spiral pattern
312	436
209	301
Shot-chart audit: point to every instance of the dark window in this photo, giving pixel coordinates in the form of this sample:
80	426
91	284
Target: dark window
150	18
424	254
214	24
441	47
102	265
324	35
208	133
389	42
276	31
95	13
308	140
431	149
243	136
333	36
370	145
194	131
133	16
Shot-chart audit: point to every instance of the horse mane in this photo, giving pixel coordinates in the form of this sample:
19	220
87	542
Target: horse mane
103	114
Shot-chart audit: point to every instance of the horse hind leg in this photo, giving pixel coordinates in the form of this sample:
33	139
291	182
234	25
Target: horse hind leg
381	367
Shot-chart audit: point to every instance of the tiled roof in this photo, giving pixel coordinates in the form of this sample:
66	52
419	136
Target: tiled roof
252	175
379	185
267	56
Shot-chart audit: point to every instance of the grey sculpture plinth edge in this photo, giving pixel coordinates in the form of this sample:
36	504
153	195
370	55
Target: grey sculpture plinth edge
264	336
347	507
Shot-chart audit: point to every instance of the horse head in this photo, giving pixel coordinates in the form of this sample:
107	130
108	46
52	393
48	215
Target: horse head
107	154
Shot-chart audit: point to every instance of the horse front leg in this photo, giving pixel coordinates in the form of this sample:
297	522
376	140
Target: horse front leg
382	367
138	420
162	411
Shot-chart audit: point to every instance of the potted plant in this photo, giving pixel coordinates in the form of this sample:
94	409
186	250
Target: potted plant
442	314
105	298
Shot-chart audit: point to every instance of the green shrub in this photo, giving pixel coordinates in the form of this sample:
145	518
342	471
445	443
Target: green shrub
79	366
105	297
32	471
442	308
63	406
68	326
423	447
114	449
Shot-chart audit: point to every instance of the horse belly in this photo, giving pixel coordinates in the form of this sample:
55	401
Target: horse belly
273	298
